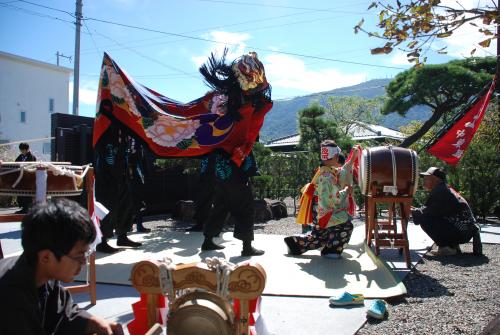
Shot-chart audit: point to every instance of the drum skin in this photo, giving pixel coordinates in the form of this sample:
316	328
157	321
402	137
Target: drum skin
56	184
381	168
200	313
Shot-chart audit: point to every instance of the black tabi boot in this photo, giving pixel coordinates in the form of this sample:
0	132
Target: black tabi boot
140	226
293	248
248	250
477	246
104	247
124	241
208	244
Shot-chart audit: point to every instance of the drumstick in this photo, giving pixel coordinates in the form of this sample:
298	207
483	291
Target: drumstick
155	330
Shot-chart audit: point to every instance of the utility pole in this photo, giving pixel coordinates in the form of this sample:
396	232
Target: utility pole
76	71
63	56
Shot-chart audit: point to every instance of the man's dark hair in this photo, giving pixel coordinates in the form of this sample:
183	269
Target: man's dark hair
341	159
329	143
56	225
24	146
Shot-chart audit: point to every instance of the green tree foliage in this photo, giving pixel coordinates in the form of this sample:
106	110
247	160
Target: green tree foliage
346	111
315	127
413	25
444	88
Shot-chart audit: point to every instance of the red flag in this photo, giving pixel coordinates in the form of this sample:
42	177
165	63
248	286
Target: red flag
451	145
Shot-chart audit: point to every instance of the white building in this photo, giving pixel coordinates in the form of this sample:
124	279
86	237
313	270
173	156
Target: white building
30	91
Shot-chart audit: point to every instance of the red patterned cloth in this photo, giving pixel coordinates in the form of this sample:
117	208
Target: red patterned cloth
452	143
170	128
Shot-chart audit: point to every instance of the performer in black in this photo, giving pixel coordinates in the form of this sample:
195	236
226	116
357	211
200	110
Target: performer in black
113	188
136	174
241	86
24	156
233	194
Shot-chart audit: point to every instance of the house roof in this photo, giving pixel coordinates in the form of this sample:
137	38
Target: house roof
359	131
35	62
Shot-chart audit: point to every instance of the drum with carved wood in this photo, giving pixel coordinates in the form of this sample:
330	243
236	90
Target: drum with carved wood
200	313
388	171
19	178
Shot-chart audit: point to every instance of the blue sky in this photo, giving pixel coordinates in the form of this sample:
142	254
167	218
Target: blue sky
306	46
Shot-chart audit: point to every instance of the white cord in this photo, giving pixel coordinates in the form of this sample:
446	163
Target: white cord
223	270
166	279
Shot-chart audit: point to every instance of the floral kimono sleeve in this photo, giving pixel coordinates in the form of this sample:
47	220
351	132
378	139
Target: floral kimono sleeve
325	192
346	176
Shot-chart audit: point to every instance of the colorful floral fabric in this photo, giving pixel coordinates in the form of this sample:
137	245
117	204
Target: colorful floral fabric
332	240
332	196
170	128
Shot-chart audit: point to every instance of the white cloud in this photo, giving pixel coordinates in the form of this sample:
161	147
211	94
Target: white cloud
282	71
235	42
87	93
399	58
289	72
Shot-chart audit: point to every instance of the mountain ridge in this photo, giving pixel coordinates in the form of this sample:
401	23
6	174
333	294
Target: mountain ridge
282	120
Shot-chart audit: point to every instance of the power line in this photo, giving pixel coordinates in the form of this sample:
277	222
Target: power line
147	57
31	12
211	28
214	41
234	44
279	6
91	37
47	7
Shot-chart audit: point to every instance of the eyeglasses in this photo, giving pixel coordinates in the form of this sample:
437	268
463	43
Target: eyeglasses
82	259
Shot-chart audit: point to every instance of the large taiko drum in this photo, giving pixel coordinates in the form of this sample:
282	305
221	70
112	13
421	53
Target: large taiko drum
388	170
19	178
200	313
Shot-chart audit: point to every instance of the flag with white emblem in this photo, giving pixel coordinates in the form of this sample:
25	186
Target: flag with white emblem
453	140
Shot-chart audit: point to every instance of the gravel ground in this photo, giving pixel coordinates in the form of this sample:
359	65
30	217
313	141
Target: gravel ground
446	295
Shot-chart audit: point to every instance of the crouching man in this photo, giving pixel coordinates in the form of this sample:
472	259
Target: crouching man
55	237
446	216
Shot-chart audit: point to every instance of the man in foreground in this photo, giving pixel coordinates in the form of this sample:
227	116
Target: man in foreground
446	216
55	237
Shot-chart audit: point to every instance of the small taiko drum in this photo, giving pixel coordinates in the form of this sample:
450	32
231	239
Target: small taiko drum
388	171
19	178
200	313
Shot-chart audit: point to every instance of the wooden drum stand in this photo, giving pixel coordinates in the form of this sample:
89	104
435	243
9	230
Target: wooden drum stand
384	233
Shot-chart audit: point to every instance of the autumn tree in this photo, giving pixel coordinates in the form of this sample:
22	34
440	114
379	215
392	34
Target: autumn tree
414	25
444	88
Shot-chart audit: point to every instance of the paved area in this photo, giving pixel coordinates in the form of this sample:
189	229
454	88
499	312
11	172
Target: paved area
281	314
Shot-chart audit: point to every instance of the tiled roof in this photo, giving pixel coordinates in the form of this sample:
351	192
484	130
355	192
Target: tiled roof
360	131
